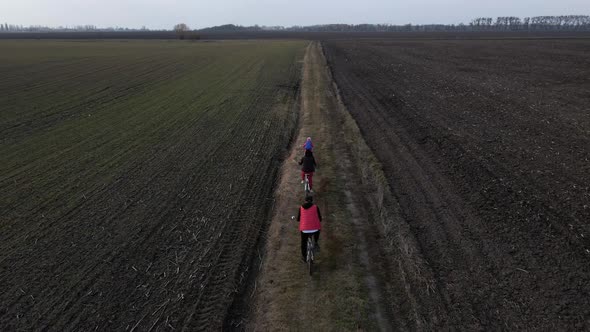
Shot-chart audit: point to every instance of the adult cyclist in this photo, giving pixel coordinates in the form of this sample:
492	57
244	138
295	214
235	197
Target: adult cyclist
309	219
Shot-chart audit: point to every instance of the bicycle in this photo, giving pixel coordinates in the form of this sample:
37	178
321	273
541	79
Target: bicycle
310	253
309	257
306	186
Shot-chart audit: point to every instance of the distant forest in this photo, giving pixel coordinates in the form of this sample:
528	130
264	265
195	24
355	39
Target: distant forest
503	23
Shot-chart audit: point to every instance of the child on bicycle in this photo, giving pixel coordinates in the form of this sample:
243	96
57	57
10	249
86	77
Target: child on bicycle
308	145
309	219
308	167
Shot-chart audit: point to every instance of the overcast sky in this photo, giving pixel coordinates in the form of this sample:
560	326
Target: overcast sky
200	13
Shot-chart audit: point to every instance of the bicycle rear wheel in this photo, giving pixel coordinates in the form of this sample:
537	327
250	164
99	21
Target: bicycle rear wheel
310	255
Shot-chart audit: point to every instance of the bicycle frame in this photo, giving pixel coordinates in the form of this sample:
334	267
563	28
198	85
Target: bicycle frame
306	187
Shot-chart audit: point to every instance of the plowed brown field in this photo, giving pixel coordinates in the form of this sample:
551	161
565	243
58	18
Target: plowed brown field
486	150
135	178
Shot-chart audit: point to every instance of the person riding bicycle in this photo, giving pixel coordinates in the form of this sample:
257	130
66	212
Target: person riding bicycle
308	145
309	164
309	218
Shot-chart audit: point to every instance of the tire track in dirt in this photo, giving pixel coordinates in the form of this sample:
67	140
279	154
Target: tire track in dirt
345	292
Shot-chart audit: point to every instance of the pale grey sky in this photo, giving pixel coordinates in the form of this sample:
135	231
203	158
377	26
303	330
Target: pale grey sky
200	13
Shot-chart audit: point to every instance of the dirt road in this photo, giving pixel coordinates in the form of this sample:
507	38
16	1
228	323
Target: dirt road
345	292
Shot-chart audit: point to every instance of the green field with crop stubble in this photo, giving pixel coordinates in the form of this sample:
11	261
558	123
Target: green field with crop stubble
130	170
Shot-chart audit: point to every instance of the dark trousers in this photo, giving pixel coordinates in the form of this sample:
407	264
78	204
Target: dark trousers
304	237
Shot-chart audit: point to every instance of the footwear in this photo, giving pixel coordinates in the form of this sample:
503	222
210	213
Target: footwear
310	190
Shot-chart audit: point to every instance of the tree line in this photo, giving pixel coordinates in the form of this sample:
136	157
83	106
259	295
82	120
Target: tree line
502	23
11	27
40	28
563	22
